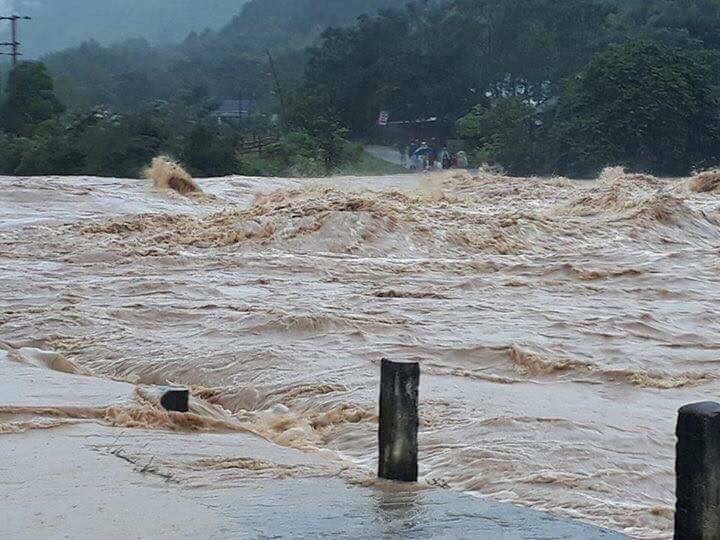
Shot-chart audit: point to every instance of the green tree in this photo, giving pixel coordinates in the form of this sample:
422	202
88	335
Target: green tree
133	73
312	115
209	152
121	145
505	133
442	58
680	23
643	105
30	99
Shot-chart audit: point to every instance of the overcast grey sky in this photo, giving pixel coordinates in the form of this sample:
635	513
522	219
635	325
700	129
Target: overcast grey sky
58	24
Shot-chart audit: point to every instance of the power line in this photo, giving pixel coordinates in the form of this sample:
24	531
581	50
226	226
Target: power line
15	44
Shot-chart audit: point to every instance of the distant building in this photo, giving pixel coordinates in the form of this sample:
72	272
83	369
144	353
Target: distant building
234	110
544	109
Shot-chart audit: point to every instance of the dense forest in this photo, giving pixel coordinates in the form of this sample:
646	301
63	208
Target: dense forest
535	86
538	86
124	103
224	63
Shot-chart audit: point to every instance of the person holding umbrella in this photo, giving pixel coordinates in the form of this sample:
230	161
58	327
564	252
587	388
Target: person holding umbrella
422	155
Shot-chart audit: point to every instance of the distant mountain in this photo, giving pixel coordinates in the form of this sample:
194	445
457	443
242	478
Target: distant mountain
292	24
224	62
59	24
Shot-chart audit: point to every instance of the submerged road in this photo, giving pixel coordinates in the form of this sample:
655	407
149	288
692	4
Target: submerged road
559	326
385	153
90	458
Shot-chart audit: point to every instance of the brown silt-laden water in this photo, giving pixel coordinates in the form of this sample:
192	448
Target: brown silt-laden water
559	324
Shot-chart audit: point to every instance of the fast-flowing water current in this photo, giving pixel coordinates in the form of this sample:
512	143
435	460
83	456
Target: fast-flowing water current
559	324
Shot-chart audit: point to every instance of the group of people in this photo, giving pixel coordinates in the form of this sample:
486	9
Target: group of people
424	156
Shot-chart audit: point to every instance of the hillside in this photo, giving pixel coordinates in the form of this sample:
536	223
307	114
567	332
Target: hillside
292	24
59	24
222	63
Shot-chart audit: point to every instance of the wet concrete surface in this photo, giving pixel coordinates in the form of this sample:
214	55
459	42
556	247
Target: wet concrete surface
83	477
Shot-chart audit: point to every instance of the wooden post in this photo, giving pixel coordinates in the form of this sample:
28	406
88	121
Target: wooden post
697	470
398	423
175	399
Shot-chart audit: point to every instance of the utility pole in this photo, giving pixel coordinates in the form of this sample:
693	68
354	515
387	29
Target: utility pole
240	109
15	44
281	95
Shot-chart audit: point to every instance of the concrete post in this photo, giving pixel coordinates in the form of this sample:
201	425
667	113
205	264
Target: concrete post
175	399
697	470
398	423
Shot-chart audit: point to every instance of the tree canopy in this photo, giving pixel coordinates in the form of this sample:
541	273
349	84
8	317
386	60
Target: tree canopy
643	105
534	86
30	99
225	62
541	86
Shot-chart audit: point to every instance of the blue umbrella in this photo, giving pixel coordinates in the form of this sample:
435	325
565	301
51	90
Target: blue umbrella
423	151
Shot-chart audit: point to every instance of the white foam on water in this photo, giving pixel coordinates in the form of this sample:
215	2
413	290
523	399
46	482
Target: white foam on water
559	324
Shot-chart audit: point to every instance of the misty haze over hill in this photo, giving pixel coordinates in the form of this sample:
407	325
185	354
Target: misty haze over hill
538	87
59	24
128	73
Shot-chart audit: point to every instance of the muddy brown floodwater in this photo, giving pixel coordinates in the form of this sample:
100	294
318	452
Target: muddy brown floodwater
559	324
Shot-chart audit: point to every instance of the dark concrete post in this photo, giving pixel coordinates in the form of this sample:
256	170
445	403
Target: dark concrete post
697	470
175	399
398	423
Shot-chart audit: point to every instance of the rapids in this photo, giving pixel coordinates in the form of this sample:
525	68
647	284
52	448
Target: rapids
559	324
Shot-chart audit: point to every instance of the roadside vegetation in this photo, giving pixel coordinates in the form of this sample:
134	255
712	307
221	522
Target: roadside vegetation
532	86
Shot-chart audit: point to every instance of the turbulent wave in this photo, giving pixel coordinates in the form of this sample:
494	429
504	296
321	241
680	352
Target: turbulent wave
167	174
40	358
450	214
23	426
141	412
558	323
519	364
633	198
705	182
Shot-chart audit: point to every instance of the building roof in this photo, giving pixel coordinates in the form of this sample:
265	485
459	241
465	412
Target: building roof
231	108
